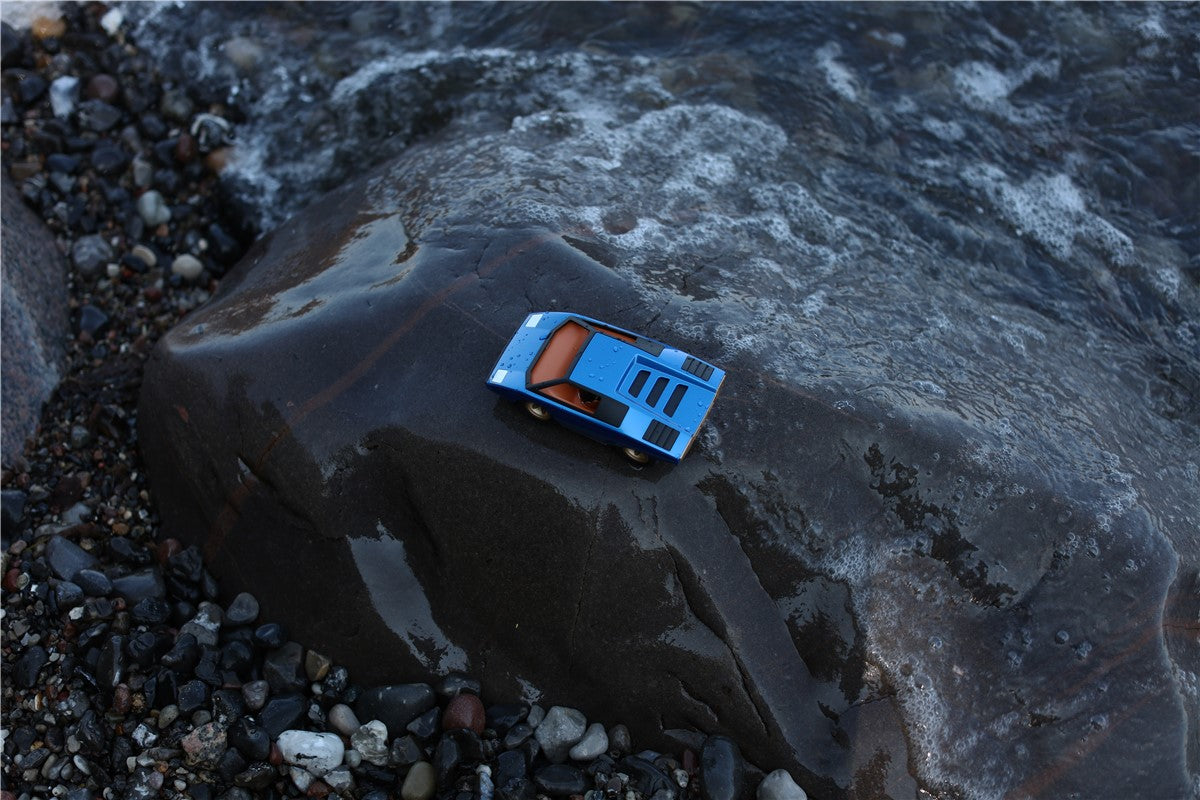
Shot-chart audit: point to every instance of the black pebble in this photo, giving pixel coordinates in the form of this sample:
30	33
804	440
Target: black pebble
426	725
560	780
110	670
251	739
67	595
231	764
722	773
191	696
271	635
137	586
150	611
228	706
12	509
61	162
25	673
446	758
259	775
502	717
93	581
282	712
108	159
184	655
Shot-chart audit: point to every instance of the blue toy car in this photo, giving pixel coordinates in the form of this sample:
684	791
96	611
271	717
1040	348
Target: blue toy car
608	383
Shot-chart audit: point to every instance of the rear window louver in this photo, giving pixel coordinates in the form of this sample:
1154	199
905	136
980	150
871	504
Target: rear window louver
660	435
698	368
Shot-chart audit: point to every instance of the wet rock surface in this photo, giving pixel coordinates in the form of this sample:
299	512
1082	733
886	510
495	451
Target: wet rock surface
832	579
34	318
954	467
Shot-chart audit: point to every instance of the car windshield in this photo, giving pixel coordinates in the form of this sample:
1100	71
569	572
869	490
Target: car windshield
559	353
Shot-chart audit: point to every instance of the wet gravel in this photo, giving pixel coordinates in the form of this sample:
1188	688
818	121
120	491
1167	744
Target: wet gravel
125	674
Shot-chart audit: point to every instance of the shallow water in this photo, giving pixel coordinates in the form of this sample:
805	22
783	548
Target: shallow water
978	217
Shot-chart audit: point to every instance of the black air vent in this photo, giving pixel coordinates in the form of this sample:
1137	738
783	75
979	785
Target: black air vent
656	392
660	435
698	368
636	387
675	398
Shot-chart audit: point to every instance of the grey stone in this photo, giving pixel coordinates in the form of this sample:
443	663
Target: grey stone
779	785
206	625
282	668
67	559
371	741
420	782
593	744
243	610
138	586
722	771
34	322
153	209
187	266
94	582
255	694
90	253
64	94
559	732
343	719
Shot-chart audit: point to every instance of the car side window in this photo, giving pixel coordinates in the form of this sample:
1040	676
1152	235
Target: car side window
572	396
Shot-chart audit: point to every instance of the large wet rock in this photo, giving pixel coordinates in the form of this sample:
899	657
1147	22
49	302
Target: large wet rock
935	532
34	319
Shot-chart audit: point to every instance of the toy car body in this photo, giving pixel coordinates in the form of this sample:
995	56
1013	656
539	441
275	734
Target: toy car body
608	383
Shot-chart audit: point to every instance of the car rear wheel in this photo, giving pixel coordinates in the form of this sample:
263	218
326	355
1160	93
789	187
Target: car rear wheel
636	456
537	411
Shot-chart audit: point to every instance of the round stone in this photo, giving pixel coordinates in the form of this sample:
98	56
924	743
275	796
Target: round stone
89	253
593	744
779	785
316	752
153	210
187	267
722	773
420	782
560	731
464	711
343	719
244	608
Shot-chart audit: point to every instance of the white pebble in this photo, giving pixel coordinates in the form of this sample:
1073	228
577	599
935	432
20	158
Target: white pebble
111	21
187	266
316	752
779	785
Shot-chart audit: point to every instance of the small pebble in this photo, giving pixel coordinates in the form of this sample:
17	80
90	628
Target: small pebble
187	267
779	785
343	719
464	711
370	740
420	782
316	752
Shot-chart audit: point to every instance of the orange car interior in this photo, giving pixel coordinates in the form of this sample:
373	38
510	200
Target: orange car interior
556	360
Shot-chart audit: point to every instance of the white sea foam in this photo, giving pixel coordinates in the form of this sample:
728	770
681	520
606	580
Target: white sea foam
1051	210
840	79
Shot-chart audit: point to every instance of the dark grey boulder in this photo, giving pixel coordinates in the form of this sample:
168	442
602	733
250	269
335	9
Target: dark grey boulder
34	320
854	568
